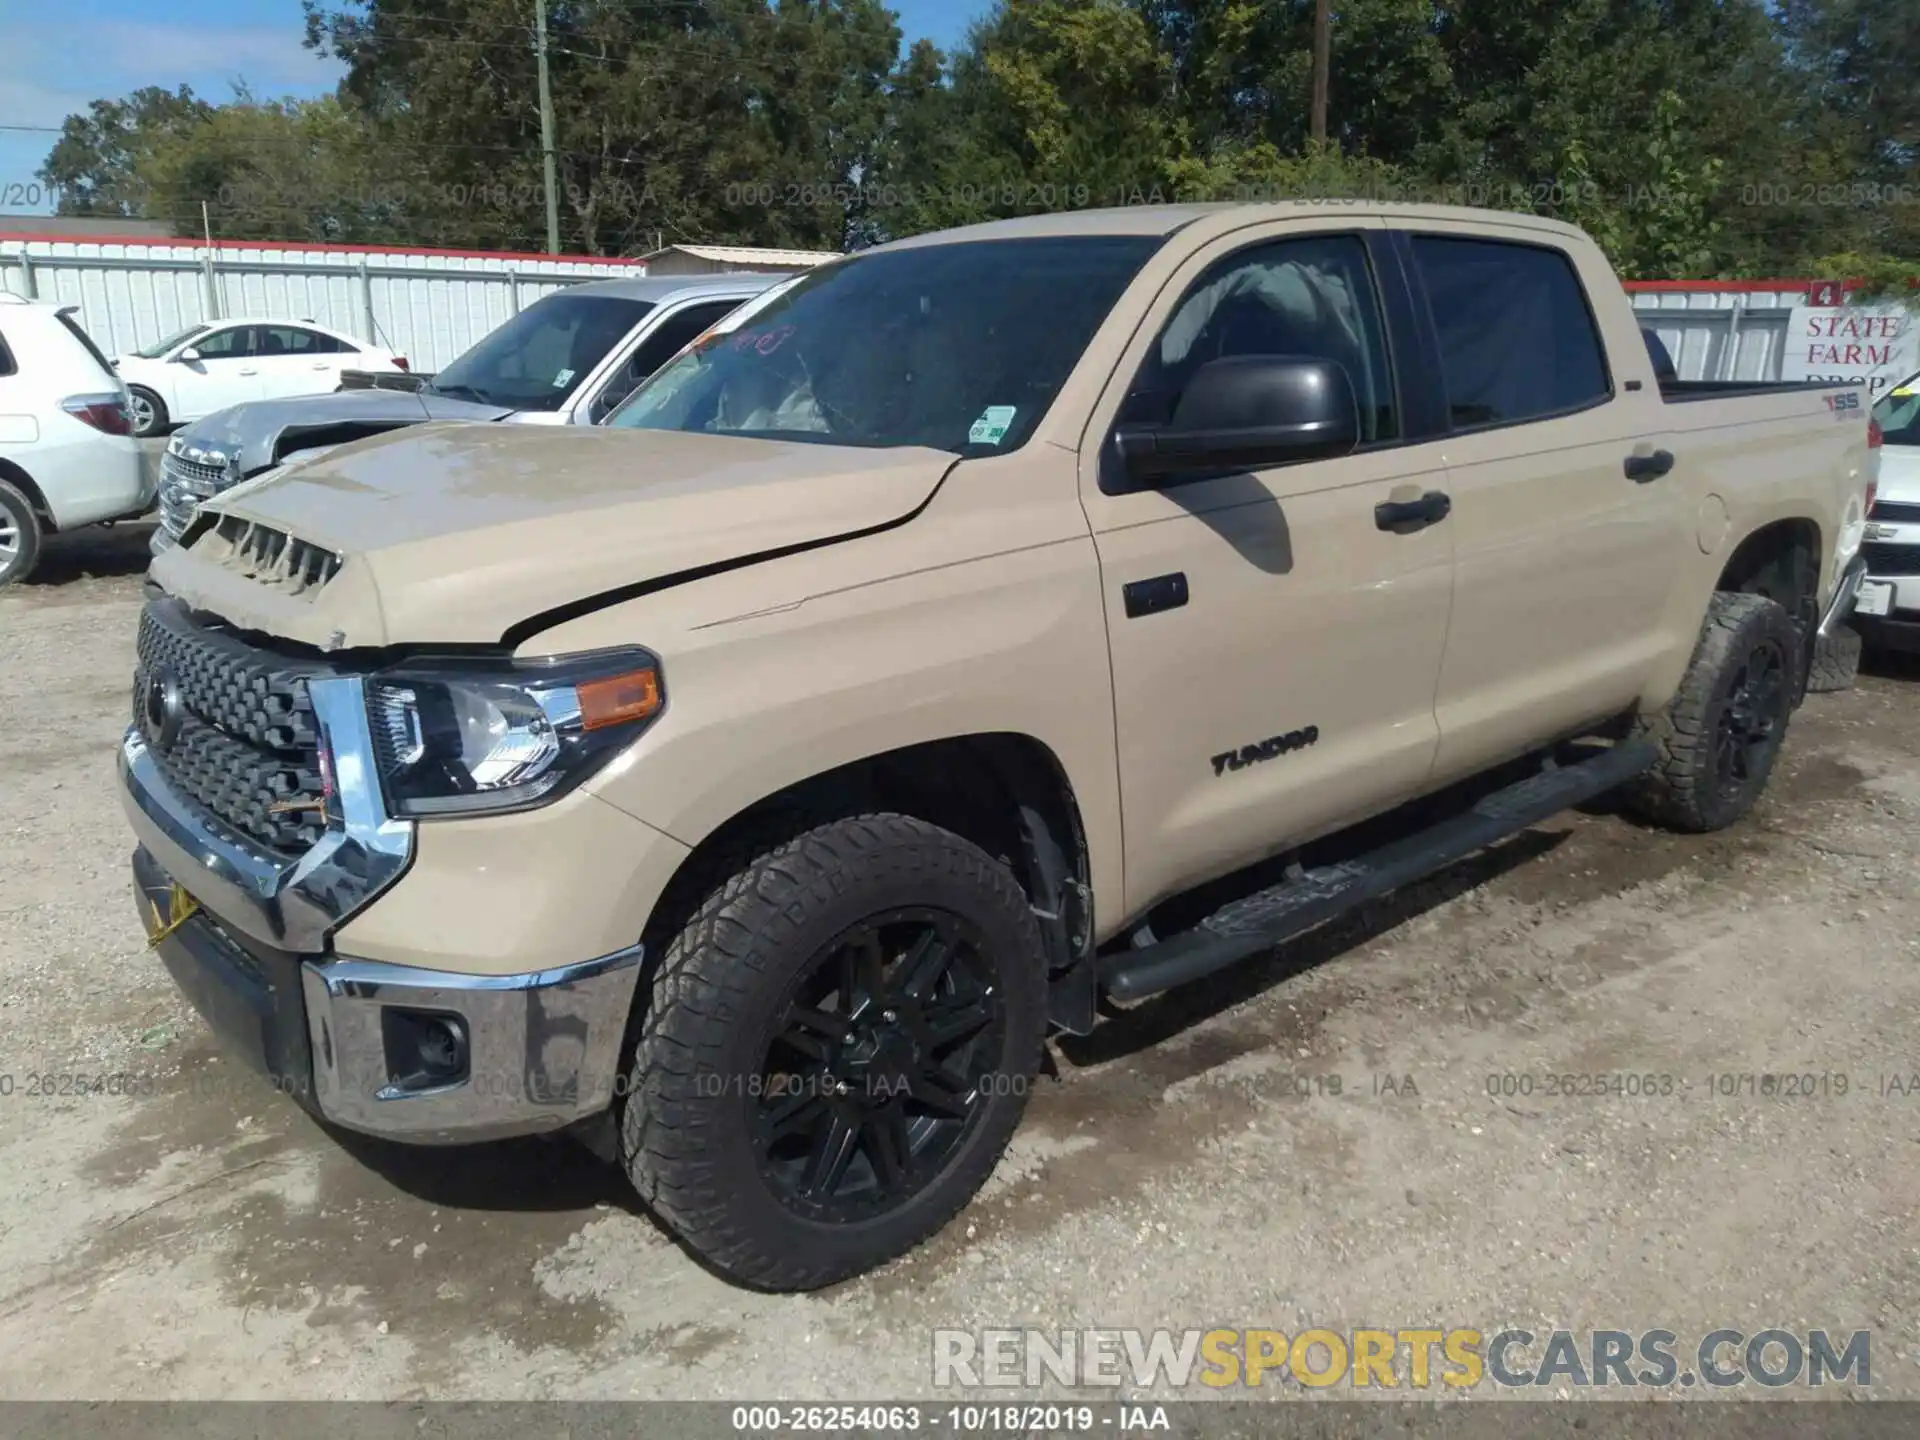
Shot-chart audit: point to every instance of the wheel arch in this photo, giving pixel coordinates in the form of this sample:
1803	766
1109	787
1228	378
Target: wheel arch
1782	561
24	483
1004	791
1789	547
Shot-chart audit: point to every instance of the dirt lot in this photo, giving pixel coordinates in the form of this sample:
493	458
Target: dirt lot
1187	1168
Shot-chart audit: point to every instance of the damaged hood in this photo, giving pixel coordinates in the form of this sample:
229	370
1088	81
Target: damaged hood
455	534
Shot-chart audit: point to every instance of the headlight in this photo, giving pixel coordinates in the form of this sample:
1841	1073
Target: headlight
455	737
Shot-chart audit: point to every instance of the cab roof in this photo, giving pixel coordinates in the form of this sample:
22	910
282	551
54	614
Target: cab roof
1166	219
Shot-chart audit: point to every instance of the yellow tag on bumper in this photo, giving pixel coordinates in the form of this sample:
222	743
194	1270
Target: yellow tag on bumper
161	923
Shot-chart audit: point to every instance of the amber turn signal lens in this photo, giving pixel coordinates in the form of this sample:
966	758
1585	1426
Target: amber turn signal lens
618	699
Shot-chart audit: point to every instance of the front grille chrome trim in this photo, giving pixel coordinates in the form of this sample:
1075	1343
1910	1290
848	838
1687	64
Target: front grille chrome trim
288	903
190	474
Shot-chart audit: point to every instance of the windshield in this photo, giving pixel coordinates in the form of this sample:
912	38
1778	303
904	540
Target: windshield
1899	413
154	352
538	358
958	346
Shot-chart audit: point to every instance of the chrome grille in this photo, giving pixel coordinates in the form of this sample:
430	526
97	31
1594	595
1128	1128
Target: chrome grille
269	556
249	740
1885	559
185	482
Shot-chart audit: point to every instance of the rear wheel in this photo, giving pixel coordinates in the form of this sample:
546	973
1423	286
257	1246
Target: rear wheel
149	411
1719	737
838	1047
19	535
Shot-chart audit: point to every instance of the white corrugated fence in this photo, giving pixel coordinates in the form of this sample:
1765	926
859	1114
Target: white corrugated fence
428	305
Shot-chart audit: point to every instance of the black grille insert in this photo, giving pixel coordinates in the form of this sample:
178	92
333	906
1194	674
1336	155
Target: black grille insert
247	749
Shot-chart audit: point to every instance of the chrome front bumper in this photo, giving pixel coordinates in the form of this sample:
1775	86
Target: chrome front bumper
541	1050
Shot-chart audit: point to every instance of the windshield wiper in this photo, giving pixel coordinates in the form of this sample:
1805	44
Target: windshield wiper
456	392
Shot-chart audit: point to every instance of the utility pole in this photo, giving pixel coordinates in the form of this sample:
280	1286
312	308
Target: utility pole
546	129
1322	61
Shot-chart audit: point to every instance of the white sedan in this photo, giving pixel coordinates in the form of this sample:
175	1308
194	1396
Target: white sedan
208	367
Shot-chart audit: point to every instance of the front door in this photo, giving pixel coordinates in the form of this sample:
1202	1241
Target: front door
225	372
1274	650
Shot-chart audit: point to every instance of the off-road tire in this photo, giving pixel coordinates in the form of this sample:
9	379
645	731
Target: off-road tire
685	1128
1836	661
18	519
157	412
1684	790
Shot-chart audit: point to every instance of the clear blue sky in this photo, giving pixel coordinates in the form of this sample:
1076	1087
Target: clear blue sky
55	58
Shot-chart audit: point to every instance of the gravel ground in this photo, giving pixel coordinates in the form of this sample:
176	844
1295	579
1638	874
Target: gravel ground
1187	1167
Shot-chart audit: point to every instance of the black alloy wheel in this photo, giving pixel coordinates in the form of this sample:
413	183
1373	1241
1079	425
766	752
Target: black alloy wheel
1720	734
878	1065
1752	717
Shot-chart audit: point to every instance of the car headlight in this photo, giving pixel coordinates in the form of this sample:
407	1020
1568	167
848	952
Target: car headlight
456	737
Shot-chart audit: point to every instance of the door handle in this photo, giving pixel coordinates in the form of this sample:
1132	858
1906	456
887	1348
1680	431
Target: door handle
1642	468
1403	517
1162	592
249	372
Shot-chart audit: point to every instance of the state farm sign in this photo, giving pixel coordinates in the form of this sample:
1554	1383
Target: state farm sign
1871	345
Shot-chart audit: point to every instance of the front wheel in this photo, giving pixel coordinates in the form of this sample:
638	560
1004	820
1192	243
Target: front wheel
838	1047
1722	732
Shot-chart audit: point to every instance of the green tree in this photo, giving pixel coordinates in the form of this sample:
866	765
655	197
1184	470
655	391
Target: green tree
98	163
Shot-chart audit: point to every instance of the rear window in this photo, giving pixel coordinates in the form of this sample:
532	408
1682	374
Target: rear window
75	329
1517	339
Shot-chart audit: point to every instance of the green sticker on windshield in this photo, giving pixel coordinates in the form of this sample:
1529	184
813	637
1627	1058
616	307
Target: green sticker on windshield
993	424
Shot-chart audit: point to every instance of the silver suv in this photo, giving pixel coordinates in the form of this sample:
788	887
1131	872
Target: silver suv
567	359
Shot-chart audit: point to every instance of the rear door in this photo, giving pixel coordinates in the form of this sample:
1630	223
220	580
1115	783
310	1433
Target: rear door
1265	606
1567	532
294	360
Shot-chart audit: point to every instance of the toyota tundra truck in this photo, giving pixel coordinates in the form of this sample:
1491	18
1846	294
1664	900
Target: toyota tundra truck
999	627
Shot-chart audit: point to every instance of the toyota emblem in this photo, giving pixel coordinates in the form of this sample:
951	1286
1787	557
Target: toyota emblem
162	708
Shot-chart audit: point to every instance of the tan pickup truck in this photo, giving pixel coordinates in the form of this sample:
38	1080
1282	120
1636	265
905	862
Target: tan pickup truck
993	627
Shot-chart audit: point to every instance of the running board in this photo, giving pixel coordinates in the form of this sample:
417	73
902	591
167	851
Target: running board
1266	919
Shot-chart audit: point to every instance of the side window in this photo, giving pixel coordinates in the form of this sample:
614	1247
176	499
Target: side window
7	365
292	340
1517	339
301	341
676	331
1310	297
228	344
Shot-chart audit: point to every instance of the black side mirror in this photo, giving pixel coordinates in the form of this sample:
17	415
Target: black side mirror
1246	412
